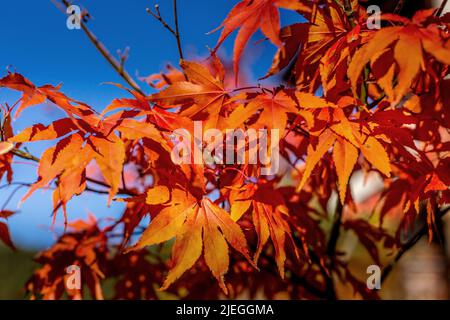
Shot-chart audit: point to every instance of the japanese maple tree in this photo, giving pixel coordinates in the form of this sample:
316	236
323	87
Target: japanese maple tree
351	101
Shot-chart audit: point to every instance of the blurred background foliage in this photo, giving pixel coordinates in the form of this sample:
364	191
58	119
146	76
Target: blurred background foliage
422	273
15	269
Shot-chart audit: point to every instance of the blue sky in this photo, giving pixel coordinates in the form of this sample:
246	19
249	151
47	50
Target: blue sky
37	44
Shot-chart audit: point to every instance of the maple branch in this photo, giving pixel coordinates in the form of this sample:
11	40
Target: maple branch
103	184
23	184
28	156
329	293
335	232
24	155
117	66
247	88
120	235
331	249
176	32
29	184
11	195
309	287
441	8
408	245
294	277
158	17
375	102
175	14
300	131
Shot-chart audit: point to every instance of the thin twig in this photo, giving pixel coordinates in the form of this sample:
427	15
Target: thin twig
11	196
28	156
24	155
158	17
175	32
117	66
376	101
23	184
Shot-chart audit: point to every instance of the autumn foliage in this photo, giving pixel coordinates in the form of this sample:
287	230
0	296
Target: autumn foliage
353	101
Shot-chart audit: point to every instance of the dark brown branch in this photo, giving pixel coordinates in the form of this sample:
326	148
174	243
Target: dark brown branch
117	66
334	236
175	32
441	8
350	13
335	232
23	184
376	101
158	17
28	156
408	245
24	155
331	249
329	293
294	277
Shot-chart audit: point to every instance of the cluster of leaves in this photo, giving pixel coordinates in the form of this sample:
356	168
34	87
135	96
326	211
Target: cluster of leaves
355	99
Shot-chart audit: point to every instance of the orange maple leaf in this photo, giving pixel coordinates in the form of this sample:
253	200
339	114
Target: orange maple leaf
193	222
201	97
410	44
250	15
